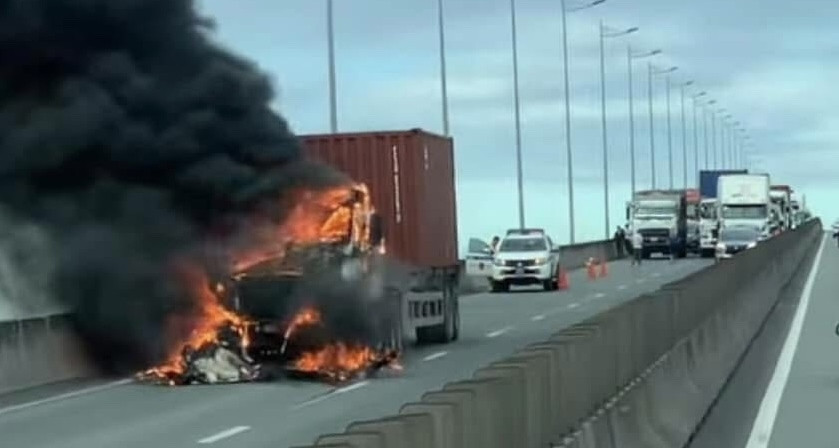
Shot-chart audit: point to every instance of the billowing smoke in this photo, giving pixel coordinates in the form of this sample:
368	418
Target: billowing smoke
137	144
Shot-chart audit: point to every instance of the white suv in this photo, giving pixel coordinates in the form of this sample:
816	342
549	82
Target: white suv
525	257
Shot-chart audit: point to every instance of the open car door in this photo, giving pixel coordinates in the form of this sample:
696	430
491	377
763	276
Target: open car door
479	259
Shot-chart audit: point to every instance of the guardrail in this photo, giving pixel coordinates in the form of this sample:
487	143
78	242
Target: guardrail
641	375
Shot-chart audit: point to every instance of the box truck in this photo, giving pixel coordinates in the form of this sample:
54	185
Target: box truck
744	202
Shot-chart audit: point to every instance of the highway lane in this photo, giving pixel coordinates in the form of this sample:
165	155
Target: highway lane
294	413
805	383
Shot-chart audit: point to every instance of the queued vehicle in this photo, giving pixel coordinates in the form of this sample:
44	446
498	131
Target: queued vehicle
525	257
733	240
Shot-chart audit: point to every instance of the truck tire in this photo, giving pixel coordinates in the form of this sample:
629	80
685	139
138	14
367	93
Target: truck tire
449	329
499	286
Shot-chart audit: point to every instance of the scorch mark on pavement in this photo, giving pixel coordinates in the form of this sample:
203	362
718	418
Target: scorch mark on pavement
224	434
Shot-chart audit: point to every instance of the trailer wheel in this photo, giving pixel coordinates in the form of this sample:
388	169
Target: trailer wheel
448	330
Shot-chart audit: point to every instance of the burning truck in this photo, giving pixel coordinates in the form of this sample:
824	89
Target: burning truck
326	299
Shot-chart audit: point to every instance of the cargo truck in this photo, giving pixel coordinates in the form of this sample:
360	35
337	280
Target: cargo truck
660	216
708	209
781	196
744	202
693	202
403	199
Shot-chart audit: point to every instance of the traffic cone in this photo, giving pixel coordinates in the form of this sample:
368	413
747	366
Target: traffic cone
563	280
591	269
604	270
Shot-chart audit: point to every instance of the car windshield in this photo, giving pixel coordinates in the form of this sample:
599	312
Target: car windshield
739	235
744	212
523	245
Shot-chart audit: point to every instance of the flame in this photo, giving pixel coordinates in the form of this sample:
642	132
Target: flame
341	361
204	324
308	316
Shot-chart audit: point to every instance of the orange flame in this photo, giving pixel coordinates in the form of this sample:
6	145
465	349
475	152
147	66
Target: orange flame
338	361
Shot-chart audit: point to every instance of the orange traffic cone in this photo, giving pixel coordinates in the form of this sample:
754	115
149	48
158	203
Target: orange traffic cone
591	269
604	270
563	279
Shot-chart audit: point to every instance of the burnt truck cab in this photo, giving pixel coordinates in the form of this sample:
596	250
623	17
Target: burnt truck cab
343	278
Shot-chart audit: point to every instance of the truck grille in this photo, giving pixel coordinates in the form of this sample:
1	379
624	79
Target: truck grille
515	263
655	234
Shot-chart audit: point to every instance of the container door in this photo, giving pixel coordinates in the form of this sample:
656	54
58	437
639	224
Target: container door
479	259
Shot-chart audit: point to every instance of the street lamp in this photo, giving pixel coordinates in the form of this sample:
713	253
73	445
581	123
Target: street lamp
650	72
330	39
696	135
517	113
725	126
630	56
443	85
565	9
732	143
605	33
705	131
714	113
684	135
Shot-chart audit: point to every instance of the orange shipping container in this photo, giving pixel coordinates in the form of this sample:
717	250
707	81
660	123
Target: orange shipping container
411	179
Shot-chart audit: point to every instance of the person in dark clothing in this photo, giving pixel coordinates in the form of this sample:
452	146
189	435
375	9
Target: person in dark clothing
620	241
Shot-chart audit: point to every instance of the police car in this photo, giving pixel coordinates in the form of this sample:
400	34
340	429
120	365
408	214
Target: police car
525	257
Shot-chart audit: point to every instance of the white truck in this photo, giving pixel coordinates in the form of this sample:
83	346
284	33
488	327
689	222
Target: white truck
744	202
781	196
708	222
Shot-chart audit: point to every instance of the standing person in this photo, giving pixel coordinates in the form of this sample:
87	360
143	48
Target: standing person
620	241
637	247
836	235
494	244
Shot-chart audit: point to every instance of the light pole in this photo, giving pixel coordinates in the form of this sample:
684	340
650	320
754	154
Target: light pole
722	143
650	72
732	143
566	83
684	135
669	131
443	85
605	33
705	126
696	136
517	112
630	56
330	37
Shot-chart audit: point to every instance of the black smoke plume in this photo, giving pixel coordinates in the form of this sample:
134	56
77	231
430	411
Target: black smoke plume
137	144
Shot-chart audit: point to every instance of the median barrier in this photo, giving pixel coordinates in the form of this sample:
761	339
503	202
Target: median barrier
356	439
441	432
640	375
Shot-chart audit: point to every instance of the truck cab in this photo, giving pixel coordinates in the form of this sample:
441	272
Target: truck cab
744	202
660	216
708	227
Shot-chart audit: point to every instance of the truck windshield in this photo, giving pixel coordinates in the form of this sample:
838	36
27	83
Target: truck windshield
708	211
645	211
744	212
523	245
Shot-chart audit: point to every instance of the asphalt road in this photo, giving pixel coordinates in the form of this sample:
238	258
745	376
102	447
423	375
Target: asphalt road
809	390
295	413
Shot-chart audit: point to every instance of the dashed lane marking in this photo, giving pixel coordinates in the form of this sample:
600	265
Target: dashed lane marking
537	317
499	332
434	356
621	287
336	392
224	434
571	306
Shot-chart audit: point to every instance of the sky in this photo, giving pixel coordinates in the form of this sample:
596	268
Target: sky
771	64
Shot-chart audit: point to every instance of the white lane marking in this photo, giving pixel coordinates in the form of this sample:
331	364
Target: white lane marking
621	287
499	332
537	317
599	295
656	274
339	391
65	396
224	434
765	420
571	306
640	281
434	356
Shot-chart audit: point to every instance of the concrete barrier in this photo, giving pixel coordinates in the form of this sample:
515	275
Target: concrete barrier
640	375
39	351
